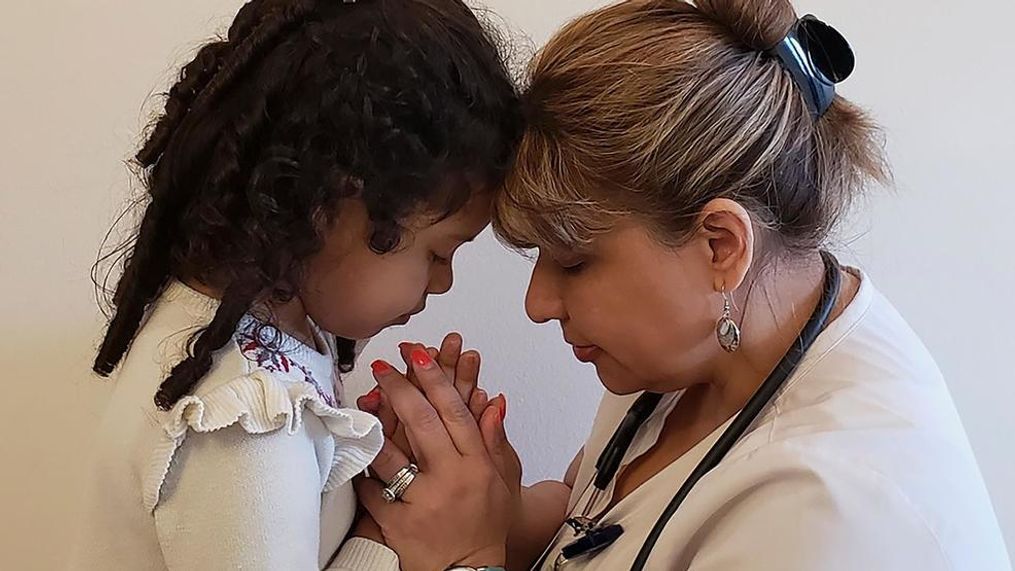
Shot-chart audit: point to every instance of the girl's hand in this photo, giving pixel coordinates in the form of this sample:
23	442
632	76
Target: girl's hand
461	504
367	528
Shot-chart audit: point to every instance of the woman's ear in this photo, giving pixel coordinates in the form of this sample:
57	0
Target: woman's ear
729	232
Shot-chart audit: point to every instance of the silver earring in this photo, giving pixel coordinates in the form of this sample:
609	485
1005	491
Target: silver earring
727	330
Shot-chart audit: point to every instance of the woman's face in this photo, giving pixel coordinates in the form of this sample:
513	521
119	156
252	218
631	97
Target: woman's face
353	292
643	313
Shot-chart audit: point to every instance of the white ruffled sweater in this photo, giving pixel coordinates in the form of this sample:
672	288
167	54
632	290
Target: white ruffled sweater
251	471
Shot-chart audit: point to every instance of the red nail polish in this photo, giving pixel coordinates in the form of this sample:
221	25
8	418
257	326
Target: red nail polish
371	400
380	367
502	406
366	404
421	359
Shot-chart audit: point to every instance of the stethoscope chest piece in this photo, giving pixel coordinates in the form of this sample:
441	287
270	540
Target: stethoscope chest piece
581	524
593	539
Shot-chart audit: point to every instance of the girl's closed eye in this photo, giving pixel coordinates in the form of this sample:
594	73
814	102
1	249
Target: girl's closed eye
444	255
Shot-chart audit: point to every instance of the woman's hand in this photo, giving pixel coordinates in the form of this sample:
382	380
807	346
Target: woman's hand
462	367
459	508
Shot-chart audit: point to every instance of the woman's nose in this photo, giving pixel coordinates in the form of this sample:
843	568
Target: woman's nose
542	301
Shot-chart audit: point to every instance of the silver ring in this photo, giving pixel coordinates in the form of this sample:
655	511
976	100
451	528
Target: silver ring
400	483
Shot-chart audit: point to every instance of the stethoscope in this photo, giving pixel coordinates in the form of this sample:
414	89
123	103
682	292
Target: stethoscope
593	535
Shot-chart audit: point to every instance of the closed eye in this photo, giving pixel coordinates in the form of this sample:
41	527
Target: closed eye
572	268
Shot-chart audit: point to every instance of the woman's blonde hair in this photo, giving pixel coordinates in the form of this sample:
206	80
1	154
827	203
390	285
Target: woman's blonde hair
652	108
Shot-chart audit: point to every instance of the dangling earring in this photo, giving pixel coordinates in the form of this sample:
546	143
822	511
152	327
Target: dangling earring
727	330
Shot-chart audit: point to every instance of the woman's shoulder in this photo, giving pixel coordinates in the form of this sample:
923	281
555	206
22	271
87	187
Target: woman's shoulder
868	371
928	507
871	398
868	429
793	508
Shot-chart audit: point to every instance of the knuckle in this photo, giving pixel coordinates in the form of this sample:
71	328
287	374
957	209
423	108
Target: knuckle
385	457
488	473
433	376
426	420
457	412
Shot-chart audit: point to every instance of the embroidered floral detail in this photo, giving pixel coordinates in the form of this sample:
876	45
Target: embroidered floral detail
255	344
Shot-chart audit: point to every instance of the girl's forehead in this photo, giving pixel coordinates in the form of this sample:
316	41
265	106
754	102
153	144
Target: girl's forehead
464	224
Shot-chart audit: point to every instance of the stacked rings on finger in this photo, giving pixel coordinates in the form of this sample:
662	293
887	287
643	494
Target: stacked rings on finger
400	483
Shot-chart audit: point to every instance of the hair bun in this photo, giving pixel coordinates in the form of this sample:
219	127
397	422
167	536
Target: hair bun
757	24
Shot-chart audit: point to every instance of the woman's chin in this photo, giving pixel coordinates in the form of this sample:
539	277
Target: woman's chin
615	379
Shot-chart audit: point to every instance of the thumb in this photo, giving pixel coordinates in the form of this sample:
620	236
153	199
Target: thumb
503	455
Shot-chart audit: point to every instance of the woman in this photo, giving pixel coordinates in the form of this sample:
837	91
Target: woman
682	168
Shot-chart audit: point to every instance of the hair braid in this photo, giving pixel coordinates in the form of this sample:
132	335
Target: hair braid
235	303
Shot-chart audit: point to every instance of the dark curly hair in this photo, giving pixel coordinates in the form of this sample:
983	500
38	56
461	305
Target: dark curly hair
407	105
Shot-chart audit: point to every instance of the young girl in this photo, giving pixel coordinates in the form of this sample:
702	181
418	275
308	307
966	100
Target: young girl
310	181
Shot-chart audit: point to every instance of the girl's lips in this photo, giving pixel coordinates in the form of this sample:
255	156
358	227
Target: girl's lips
587	354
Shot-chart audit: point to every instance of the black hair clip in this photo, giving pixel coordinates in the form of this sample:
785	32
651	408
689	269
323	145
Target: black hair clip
818	57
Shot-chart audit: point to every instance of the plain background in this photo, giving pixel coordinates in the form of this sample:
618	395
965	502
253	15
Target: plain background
76	79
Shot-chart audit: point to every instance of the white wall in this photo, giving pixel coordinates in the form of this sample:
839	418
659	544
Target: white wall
73	78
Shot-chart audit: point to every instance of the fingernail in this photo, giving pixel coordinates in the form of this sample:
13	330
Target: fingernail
502	406
370	402
404	345
421	359
380	368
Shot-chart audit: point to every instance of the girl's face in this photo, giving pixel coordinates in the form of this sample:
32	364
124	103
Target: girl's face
352	292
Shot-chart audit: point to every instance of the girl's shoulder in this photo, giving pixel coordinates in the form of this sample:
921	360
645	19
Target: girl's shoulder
256	347
260	381
260	403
